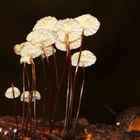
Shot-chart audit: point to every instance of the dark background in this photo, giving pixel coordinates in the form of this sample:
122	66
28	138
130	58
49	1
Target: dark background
113	82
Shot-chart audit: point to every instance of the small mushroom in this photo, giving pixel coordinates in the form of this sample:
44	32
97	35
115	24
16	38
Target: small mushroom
89	23
48	50
12	92
68	27
41	36
25	96
87	58
18	48
46	23
30	49
72	45
26	59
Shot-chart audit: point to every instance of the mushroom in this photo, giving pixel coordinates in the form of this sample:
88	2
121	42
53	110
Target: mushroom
41	36
89	23
25	96
46	23
48	50
72	45
18	48
12	92
68	26
26	59
81	59
29	48
87	58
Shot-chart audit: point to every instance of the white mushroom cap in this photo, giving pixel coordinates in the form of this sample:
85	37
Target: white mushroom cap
30	49
25	96
18	48
26	59
41	36
48	50
46	23
9	93
70	27
87	58
73	45
89	23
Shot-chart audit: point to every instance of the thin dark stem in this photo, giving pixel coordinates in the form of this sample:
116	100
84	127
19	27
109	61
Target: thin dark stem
55	67
70	90
23	90
81	48
76	70
67	105
34	86
80	99
33	90
28	79
49	85
45	92
67	122
57	86
13	92
63	73
58	83
49	88
28	88
75	74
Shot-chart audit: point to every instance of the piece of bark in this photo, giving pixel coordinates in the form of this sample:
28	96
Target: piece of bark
109	132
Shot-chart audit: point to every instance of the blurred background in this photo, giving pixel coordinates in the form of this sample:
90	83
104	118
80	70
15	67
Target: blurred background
113	83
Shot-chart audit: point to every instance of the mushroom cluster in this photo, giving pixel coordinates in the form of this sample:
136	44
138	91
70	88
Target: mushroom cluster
47	36
49	32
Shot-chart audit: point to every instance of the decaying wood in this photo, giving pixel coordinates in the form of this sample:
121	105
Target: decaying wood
108	132
127	128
